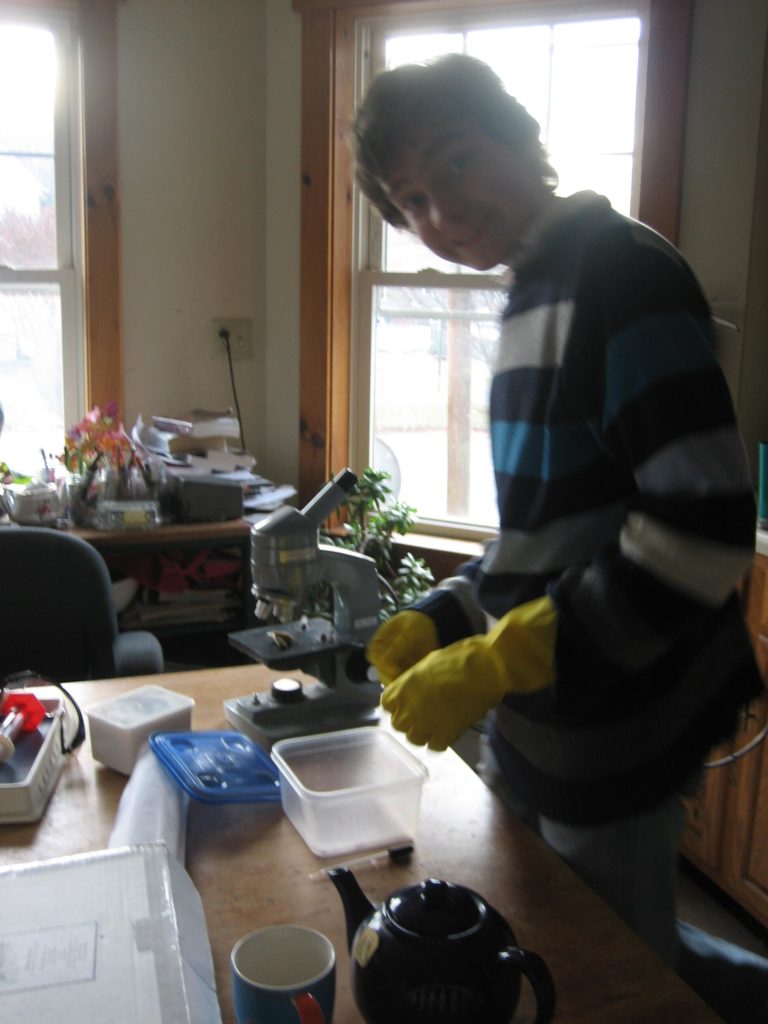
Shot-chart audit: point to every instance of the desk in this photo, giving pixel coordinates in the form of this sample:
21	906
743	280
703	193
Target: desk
228	531
251	868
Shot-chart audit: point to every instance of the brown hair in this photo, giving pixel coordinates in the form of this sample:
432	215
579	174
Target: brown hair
451	88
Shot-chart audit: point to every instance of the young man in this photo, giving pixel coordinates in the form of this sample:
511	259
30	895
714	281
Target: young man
601	628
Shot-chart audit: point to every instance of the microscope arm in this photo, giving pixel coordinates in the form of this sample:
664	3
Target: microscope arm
355	583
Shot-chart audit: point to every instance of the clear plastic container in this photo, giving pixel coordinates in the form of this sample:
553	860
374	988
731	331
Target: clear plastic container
127	515
352	790
120	726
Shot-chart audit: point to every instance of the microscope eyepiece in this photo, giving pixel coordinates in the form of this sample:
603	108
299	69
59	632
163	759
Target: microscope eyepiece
329	497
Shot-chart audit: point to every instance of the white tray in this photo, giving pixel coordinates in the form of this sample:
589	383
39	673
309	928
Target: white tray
27	779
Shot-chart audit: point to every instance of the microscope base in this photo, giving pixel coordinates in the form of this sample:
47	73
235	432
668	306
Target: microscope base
323	710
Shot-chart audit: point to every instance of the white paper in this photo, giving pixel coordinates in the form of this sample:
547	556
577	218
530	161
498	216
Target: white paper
48	956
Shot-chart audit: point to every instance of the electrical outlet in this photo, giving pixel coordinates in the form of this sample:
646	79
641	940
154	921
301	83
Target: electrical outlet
240	339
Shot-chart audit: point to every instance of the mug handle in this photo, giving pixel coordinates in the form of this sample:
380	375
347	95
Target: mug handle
537	973
308	1009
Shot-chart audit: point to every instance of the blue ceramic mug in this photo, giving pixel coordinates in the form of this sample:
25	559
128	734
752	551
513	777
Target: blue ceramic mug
283	974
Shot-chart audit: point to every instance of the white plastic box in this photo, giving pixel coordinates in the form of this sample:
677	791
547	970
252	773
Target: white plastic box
119	727
351	790
115	935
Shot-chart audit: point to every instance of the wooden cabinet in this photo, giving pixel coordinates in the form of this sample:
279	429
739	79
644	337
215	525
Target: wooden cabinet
727	831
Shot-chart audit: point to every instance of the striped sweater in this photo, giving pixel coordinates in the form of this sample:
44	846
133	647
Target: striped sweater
624	494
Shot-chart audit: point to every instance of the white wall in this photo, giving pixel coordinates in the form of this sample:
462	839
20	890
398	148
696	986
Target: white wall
209	142
210	170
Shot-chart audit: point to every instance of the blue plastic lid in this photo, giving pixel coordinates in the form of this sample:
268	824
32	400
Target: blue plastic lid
218	767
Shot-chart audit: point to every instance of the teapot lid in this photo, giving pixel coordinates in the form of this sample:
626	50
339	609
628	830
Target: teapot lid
435	909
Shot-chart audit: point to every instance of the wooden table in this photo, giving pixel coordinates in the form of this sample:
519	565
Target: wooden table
252	868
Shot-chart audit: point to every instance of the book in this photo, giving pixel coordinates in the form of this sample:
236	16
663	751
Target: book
200	423
182	444
220	461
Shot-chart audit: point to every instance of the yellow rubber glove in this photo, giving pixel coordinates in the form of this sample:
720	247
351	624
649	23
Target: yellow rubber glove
400	642
450	689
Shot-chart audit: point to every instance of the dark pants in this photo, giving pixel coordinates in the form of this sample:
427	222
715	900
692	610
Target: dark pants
632	863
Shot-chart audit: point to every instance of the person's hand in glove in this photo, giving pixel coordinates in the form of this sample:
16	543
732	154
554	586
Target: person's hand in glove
435	700
400	642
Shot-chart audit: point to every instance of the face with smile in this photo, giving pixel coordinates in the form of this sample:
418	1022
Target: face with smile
466	195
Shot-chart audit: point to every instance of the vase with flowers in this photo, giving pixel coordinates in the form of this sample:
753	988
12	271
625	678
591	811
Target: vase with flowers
98	436
105	472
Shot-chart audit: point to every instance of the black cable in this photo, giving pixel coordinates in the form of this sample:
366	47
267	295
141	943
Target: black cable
224	335
730	758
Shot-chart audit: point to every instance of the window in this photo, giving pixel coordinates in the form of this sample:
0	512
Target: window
59	219
41	280
328	93
425	348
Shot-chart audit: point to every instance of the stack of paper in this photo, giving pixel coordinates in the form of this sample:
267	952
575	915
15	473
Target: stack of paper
154	608
205	442
211	444
208	439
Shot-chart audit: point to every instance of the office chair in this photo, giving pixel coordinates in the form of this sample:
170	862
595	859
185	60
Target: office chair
57	611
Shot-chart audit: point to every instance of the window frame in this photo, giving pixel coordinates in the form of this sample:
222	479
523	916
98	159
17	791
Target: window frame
328	97
100	362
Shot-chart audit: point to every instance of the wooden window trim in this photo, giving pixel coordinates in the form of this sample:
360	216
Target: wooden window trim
103	291
328	45
102	300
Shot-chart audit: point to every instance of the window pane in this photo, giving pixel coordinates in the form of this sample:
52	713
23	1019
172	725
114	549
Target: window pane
605	32
433	358
520	57
414	49
593	99
27	106
30	375
611	176
403	252
27	214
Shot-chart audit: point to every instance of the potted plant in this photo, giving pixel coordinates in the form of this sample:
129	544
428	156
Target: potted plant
371	522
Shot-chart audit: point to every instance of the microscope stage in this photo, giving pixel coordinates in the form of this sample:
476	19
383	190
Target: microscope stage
291	644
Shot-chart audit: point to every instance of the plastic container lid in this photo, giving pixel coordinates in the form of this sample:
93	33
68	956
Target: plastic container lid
218	767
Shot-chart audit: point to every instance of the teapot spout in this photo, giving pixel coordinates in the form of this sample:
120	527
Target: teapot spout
357	906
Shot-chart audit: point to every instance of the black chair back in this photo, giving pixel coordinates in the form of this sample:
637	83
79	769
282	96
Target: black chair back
57	609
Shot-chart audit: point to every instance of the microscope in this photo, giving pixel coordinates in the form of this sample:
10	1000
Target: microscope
286	559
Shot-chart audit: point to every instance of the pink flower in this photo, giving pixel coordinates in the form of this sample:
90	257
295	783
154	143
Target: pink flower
99	432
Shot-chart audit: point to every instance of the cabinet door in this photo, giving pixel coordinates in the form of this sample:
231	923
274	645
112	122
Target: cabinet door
745	842
702	838
723	836
745	851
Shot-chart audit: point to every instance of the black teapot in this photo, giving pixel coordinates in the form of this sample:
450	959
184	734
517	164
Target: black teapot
436	952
